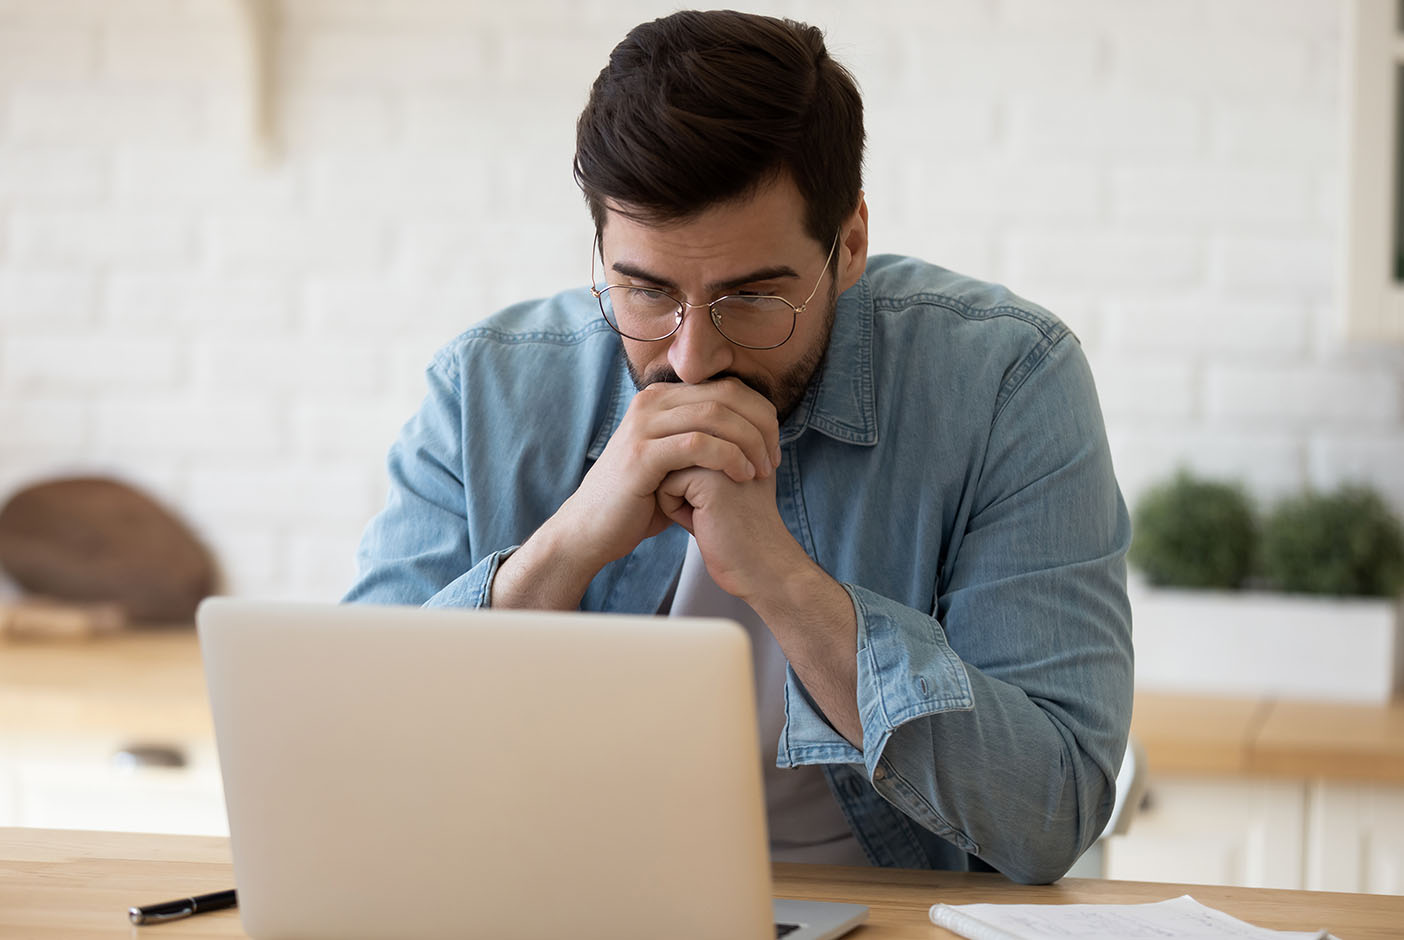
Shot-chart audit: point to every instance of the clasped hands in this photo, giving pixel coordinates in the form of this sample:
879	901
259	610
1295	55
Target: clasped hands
704	457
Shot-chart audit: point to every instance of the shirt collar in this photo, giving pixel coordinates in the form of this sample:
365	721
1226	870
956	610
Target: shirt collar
839	402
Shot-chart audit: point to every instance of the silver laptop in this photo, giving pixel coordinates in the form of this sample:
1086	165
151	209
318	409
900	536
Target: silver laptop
410	773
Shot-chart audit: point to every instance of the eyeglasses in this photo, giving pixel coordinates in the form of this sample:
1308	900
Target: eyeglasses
753	321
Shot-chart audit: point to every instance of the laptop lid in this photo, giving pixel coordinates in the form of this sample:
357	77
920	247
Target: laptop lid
421	773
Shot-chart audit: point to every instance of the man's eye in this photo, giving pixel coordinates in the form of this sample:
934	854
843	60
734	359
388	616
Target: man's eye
641	300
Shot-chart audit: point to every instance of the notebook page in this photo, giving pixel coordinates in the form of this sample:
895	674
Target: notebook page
1181	918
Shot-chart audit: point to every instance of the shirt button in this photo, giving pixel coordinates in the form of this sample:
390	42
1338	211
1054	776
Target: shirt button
879	773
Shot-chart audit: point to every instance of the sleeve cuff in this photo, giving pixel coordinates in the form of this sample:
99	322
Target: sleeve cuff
906	670
473	588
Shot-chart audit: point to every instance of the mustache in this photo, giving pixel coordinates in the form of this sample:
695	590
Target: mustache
666	374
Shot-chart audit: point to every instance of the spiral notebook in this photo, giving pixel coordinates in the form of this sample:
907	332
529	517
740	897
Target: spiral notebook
1181	918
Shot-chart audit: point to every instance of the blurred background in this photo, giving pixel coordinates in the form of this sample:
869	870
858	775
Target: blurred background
221	280
233	232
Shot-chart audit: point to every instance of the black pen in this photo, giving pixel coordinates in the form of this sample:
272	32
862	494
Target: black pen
184	907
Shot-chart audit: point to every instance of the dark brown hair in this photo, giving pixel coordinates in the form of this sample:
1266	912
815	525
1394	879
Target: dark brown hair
697	109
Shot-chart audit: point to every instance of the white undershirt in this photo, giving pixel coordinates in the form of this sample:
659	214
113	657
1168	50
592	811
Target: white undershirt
805	822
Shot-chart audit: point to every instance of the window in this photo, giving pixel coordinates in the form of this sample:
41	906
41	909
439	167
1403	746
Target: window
1375	234
1399	169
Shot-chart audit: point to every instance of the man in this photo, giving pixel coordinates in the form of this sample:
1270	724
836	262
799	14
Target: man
896	476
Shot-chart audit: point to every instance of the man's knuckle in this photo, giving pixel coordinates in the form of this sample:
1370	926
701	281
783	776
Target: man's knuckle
711	409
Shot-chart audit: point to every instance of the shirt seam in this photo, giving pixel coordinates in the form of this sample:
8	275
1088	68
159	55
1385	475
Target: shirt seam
1047	324
1051	330
1017	378
901	785
451	350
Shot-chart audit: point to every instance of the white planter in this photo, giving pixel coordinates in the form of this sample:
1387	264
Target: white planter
1259	644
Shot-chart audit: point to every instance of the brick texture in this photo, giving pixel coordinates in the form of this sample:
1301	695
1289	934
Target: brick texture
246	336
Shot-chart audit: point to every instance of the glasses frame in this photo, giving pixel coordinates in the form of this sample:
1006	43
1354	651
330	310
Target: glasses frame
712	312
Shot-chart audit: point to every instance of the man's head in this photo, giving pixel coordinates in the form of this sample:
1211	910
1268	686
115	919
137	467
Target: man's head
696	109
700	128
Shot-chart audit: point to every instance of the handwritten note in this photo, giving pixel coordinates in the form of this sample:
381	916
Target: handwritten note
1181	918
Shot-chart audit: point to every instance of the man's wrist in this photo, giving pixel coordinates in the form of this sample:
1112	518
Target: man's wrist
548	572
813	619
803	593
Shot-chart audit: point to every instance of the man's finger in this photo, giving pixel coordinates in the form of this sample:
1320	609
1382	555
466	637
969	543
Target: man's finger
716	419
696	449
732	393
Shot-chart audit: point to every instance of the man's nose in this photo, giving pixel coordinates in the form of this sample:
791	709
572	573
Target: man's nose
698	350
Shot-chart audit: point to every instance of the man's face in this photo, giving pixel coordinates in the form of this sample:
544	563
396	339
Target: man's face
754	245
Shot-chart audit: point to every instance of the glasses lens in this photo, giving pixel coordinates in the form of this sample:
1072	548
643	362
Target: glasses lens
639	313
756	322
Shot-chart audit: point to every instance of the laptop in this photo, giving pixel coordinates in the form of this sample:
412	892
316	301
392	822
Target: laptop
415	773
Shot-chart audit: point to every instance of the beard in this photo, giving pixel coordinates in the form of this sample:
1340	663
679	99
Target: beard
785	392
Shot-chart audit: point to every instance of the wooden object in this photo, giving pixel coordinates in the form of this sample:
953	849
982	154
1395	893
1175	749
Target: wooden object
1303	739
145	684
43	619
93	540
1189	734
74	885
1197	734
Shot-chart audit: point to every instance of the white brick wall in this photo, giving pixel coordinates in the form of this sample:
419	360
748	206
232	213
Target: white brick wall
245	338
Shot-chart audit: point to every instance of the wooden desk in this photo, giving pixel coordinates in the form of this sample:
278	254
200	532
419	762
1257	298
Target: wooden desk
70	885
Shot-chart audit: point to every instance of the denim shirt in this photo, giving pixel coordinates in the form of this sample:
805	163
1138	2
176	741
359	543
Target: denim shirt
948	466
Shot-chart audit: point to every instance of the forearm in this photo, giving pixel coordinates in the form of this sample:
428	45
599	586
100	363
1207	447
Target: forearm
549	571
813	621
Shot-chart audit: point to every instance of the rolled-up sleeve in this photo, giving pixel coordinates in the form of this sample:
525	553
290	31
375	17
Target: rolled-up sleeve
416	551
998	719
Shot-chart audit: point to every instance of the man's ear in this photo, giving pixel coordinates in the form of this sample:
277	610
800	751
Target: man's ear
853	246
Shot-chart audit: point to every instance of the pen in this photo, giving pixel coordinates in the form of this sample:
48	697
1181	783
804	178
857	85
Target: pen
182	907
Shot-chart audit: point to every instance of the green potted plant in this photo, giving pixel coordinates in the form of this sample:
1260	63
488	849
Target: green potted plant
1194	533
1302	604
1346	543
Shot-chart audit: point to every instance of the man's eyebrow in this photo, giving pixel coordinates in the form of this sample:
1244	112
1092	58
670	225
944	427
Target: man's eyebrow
773	273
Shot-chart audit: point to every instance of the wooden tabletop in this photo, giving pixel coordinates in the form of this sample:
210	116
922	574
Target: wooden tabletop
145	683
1194	734
71	885
1298	739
